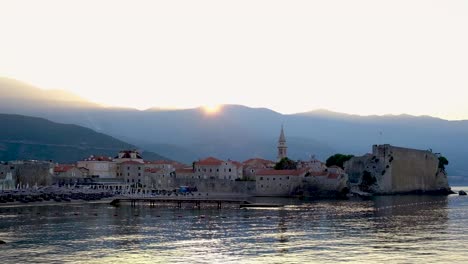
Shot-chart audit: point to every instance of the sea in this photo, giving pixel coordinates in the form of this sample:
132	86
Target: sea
382	229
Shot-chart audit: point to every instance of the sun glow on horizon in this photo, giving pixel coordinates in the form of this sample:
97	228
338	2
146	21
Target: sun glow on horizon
358	57
212	109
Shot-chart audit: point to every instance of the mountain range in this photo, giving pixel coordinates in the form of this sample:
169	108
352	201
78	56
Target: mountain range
32	138
240	132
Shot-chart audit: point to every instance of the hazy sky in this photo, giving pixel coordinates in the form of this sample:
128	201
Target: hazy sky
362	57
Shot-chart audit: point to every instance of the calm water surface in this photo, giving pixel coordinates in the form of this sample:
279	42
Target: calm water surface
395	229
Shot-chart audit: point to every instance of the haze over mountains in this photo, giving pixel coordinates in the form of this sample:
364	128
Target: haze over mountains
24	137
240	132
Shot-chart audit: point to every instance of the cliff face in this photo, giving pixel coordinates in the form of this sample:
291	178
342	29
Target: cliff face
392	169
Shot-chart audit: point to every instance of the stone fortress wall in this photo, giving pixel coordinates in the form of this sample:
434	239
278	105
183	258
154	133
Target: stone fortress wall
398	170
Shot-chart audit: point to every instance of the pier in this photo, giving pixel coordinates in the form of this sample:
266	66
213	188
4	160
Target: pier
179	201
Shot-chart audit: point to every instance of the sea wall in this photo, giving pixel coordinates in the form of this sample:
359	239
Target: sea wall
391	169
208	185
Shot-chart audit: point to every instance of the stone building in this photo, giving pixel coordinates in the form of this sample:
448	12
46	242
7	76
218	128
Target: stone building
185	173
158	178
312	164
71	174
128	155
99	166
132	172
212	168
251	166
278	182
27	173
330	182
7	181
389	169
161	164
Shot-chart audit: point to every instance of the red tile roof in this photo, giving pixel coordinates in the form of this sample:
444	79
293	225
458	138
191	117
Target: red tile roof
132	162
279	172
210	161
184	171
258	160
238	164
152	170
333	176
98	158
318	173
63	168
159	162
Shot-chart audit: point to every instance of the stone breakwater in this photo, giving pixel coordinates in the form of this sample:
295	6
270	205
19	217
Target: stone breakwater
51	194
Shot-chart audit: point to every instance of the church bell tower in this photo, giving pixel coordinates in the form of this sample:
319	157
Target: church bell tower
282	148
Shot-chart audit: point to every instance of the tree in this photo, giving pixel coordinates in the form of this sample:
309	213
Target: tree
286	164
443	161
338	160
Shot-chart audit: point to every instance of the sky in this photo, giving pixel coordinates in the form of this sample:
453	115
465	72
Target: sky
358	57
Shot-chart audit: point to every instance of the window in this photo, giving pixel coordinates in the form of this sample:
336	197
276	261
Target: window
139	174
133	180
217	170
211	170
128	174
261	178
229	169
139	168
274	179
128	180
128	168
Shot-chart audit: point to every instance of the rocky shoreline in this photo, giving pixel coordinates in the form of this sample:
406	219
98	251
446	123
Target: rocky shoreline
51	195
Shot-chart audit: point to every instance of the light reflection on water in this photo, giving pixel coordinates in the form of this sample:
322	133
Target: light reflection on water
387	228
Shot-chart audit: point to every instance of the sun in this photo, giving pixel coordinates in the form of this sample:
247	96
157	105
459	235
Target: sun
211	109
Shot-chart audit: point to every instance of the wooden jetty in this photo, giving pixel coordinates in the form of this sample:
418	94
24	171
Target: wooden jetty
179	201
260	205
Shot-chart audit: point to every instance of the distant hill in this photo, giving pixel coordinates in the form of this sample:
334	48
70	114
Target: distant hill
240	132
23	137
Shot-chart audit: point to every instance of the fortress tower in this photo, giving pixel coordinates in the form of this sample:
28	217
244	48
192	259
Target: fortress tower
282	148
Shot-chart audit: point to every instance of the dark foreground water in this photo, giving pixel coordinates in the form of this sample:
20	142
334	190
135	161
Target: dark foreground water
392	229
